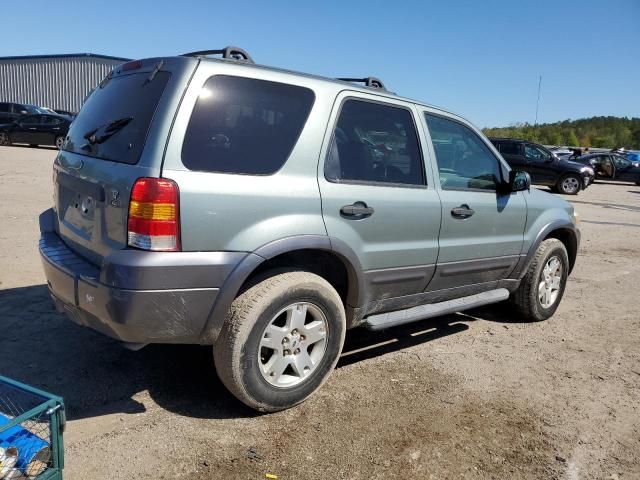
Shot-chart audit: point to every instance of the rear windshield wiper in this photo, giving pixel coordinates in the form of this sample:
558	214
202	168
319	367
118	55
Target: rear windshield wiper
108	130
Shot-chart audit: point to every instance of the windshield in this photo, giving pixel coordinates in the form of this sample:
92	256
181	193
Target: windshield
99	129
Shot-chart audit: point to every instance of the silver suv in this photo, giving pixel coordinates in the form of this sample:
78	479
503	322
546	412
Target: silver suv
265	212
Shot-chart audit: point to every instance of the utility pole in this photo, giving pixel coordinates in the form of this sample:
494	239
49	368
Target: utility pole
538	102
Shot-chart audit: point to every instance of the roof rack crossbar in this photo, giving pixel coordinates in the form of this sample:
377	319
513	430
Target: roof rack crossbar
371	82
229	53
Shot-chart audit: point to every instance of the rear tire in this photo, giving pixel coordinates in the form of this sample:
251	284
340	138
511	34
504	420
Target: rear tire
569	184
295	313
5	140
541	290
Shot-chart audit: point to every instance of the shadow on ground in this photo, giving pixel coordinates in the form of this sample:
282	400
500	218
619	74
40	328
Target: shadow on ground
97	376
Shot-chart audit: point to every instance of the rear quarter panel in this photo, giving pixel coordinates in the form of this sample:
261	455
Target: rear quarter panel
221	211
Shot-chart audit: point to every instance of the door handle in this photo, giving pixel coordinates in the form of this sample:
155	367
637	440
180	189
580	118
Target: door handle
357	210
463	211
32	128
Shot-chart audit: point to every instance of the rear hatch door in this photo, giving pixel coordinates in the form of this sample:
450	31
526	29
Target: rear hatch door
118	136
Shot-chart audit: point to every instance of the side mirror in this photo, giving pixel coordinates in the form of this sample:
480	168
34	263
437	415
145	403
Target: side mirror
549	159
519	181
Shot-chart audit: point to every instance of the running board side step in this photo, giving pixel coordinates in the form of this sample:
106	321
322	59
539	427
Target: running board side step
422	312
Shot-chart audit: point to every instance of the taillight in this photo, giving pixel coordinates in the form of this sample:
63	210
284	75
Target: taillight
154	220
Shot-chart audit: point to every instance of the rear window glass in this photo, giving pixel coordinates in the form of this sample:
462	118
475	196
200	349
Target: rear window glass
246	126
115	119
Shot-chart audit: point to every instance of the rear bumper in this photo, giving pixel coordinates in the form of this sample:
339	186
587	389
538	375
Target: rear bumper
137	296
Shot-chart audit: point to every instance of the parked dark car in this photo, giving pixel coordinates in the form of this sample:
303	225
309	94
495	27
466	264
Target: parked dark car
609	166
545	168
10	111
36	130
66	112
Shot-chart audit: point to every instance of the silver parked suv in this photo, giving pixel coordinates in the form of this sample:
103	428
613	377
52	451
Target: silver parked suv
265	212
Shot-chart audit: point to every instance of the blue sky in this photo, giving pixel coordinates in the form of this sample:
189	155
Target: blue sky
478	58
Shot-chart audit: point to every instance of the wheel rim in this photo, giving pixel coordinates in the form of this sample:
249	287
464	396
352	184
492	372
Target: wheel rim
59	142
4	139
570	184
293	345
550	282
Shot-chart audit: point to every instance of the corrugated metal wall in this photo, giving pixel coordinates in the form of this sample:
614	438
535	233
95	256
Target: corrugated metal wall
58	83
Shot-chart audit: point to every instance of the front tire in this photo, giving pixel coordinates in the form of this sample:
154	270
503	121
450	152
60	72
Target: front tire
5	140
569	184
59	142
541	290
280	341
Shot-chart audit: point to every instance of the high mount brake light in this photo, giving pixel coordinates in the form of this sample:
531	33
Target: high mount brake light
154	217
135	65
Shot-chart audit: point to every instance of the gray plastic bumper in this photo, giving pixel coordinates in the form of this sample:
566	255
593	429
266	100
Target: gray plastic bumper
137	296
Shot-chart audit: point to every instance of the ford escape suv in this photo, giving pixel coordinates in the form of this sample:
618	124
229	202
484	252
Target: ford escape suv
265	212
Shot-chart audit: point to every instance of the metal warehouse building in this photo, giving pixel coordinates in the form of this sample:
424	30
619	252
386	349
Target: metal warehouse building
60	82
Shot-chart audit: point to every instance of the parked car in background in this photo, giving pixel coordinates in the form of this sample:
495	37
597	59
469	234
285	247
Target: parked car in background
280	209
609	166
41	129
10	111
561	152
545	168
66	112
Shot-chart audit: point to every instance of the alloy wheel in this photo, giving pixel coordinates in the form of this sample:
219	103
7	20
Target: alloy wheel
550	282
293	344
570	184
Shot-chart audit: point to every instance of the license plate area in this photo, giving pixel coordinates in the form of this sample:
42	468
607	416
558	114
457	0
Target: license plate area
78	211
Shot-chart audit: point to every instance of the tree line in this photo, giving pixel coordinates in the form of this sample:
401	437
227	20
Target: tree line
600	132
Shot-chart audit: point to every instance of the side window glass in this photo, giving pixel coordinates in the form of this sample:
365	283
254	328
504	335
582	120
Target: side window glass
535	154
621	162
375	143
509	148
245	126
4	108
464	160
17	108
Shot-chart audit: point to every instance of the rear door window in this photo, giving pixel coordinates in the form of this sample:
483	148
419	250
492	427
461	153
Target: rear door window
115	119
245	126
374	143
4	108
509	148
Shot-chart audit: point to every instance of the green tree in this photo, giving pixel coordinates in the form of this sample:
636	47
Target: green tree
572	139
556	139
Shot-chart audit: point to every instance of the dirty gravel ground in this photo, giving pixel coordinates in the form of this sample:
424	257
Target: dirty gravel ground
474	395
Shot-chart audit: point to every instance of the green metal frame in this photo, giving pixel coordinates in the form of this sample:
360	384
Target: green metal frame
53	406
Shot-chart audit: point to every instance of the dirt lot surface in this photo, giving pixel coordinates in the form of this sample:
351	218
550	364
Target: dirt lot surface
476	395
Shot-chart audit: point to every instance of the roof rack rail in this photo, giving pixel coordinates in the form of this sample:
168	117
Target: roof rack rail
229	53
371	82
